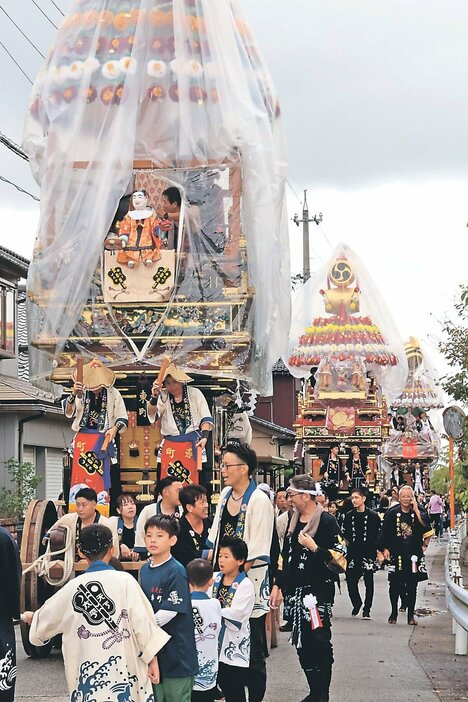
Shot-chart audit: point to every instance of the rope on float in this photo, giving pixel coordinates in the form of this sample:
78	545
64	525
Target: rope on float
44	563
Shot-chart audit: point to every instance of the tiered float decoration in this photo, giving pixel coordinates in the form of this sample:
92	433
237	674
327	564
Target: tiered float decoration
157	95
150	95
413	438
355	361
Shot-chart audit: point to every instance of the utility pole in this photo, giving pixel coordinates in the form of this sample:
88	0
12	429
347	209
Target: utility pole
305	234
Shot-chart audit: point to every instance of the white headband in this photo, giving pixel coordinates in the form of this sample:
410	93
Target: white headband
307	492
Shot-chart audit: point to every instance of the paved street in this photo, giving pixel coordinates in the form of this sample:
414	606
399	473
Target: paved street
373	660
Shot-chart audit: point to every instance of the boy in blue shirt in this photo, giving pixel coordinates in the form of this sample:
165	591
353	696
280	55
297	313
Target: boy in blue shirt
164	582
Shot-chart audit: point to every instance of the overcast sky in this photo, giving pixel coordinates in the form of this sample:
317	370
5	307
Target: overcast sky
375	111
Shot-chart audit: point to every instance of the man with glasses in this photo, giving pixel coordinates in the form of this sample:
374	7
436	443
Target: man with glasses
246	512
311	547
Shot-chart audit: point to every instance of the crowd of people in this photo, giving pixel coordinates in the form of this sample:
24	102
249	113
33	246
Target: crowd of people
191	624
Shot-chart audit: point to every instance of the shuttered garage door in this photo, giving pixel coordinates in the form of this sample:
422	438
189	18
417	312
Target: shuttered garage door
54	470
29	455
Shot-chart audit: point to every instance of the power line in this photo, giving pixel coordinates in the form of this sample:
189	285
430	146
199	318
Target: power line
13	147
325	237
45	15
16	62
21	32
5	180
293	191
57	7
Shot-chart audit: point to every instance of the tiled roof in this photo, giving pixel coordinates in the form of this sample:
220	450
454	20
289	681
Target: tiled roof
17	264
282	431
18	392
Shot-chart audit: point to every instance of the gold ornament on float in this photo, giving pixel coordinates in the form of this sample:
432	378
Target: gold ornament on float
341	273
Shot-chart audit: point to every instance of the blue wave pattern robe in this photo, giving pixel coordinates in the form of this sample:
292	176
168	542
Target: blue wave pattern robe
109	635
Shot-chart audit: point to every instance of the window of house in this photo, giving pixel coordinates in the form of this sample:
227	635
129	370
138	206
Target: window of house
7	319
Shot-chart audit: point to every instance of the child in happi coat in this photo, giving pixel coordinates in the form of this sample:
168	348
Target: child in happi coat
206	612
164	582
236	595
110	638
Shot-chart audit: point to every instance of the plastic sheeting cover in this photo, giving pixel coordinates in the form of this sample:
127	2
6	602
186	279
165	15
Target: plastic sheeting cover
422	389
340	318
179	83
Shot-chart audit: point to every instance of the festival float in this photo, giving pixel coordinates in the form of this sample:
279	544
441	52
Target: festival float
345	344
413	442
154	133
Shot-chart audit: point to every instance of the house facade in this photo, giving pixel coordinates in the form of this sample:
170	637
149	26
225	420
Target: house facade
32	427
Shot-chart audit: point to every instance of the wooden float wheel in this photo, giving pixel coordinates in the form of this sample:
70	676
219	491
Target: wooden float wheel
40	516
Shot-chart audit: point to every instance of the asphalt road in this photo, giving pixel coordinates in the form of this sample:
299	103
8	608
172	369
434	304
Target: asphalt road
373	660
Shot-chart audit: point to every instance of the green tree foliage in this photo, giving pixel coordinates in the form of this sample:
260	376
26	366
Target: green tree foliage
440	477
14	501
455	349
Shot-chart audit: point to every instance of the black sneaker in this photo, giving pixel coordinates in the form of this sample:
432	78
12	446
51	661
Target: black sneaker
366	615
286	627
356	611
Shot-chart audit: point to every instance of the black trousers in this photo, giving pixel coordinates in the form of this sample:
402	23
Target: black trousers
204	695
353	576
402	584
232	680
256	673
316	659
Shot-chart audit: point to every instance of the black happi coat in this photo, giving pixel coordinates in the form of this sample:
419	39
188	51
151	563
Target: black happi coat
304	568
361	530
10	582
403	534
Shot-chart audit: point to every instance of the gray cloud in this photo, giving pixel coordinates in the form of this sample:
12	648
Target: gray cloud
371	91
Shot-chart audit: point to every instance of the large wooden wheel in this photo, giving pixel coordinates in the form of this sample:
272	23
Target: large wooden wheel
40	516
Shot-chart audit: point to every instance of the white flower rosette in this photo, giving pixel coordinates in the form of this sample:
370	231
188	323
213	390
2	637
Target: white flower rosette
157	69
310	603
111	69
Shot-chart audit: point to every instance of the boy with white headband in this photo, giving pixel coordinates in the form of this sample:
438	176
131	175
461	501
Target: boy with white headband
312	543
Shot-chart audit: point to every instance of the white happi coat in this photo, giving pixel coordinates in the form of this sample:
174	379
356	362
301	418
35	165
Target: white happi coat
70	520
234	638
115	410
106	657
198	408
258	532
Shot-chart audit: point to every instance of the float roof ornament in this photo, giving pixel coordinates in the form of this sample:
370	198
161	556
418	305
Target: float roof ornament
339	315
421	389
177	84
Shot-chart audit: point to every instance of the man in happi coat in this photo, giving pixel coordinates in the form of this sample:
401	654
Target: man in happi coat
99	414
10	582
185	423
311	549
86	514
361	528
246	512
110	638
403	540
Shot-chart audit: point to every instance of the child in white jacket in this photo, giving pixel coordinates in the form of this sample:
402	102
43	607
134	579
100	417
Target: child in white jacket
236	595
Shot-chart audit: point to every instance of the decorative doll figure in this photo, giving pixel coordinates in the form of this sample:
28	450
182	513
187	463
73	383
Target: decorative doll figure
139	233
357	377
325	374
